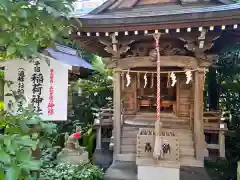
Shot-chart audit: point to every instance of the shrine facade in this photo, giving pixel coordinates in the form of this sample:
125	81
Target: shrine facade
122	31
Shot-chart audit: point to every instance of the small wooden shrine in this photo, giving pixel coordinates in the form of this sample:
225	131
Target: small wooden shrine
124	33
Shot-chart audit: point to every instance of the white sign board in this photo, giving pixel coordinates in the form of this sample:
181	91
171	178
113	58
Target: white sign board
44	86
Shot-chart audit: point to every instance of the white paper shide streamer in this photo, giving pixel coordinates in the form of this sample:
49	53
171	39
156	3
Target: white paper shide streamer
145	80
173	78
188	76
128	77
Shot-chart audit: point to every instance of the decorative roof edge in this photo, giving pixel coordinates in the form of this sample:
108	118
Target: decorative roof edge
146	32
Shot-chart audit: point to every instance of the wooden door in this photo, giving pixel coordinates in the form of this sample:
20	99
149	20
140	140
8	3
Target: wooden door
184	96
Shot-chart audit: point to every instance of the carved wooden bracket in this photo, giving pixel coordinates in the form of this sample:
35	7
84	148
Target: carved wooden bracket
116	47
198	45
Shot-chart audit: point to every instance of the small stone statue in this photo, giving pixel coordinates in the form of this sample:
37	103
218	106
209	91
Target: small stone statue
73	152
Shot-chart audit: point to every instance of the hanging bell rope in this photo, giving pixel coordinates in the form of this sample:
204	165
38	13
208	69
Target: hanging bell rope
157	153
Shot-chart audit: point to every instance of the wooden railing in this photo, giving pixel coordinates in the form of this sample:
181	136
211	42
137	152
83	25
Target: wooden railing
212	120
214	125
102	123
105	115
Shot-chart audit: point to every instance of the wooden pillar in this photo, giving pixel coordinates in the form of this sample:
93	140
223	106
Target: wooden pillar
198	115
117	112
222	144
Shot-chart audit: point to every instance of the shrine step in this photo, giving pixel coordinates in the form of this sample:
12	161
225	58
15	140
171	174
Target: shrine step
185	137
184	161
128	171
181	124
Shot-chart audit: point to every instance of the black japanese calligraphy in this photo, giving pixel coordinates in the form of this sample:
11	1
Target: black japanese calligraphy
20	88
37	86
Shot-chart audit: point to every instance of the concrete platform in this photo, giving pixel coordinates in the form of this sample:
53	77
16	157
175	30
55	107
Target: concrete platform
128	171
121	171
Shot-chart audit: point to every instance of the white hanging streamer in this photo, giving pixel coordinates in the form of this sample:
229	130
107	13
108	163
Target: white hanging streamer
188	76
173	78
128	77
145	80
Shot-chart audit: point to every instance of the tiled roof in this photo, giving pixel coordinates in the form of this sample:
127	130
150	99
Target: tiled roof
161	14
162	10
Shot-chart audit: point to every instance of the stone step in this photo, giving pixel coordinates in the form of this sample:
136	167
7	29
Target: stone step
134	128
191	161
128	171
167	123
187	151
184	161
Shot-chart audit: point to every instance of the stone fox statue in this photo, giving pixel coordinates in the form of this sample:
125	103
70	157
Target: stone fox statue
73	152
71	142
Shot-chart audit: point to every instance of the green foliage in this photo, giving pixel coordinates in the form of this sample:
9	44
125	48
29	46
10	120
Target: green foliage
92	93
228	77
28	26
18	142
88	141
49	156
221	170
65	171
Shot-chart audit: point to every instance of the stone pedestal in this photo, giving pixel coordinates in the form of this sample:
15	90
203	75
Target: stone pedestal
158	173
102	158
72	156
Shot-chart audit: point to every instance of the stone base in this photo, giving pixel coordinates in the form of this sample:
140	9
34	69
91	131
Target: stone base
73	159
102	158
158	173
120	170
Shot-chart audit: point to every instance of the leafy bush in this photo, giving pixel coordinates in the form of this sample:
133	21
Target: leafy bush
66	171
22	135
88	141
49	156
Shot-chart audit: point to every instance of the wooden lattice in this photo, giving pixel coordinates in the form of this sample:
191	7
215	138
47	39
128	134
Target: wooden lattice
145	146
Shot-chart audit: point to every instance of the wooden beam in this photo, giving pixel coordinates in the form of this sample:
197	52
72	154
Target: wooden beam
167	61
198	116
117	112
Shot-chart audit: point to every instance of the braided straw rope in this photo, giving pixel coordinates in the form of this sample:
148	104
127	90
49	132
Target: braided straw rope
158	140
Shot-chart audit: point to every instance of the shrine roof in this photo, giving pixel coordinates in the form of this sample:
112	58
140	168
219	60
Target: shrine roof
161	13
68	56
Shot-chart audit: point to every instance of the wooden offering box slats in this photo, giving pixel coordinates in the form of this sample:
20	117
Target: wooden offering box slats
145	148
